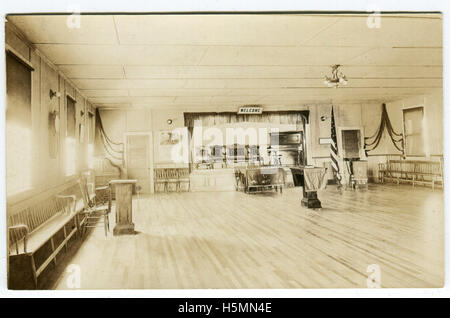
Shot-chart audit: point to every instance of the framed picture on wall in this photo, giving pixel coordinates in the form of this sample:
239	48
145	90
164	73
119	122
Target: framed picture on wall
325	141
53	134
170	138
173	146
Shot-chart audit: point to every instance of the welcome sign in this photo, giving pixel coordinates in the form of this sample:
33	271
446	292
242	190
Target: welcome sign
250	110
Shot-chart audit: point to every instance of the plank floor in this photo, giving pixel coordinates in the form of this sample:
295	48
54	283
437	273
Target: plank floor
236	240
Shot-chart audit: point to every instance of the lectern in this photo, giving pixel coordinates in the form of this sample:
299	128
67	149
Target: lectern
310	179
124	211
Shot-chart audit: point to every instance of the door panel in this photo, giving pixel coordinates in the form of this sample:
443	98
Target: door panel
138	161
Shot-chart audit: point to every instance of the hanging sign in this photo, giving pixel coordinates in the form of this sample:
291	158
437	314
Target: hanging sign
257	110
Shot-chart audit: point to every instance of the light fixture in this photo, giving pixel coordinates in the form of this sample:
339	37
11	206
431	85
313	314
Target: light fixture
323	118
54	94
336	79
169	121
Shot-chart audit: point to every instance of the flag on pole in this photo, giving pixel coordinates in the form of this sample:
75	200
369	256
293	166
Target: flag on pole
334	150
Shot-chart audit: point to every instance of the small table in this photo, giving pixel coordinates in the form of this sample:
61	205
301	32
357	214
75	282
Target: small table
262	178
124	211
310	199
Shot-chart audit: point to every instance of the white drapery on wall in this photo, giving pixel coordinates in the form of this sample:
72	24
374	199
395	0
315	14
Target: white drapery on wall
213	119
221	122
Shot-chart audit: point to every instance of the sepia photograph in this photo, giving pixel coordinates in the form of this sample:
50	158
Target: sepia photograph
224	150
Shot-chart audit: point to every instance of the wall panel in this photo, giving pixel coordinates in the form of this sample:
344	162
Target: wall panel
48	173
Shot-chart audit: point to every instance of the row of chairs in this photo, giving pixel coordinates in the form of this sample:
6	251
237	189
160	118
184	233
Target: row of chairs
172	179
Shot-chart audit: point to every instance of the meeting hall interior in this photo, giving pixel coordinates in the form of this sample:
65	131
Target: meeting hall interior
224	151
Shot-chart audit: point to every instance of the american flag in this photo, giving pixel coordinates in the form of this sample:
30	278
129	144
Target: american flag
334	149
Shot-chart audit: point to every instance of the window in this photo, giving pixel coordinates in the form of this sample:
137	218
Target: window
413	126
71	152
91	135
19	147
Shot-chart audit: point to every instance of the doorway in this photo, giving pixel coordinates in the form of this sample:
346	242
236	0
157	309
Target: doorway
139	160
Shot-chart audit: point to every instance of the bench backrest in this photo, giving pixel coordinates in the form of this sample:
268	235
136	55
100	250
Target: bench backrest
36	214
82	181
417	166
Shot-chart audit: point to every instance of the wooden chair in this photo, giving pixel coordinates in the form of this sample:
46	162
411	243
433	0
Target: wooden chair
160	180
183	179
172	180
360	176
94	213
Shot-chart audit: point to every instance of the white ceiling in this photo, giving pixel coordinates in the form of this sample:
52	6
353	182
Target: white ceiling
230	60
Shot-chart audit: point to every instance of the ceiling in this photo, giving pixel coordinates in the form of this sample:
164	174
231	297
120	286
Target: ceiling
215	61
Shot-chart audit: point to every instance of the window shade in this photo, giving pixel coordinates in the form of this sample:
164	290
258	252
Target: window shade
18	126
18	92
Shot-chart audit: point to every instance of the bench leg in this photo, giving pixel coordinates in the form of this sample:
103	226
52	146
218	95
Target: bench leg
33	270
105	220
53	249
413	180
77	224
65	236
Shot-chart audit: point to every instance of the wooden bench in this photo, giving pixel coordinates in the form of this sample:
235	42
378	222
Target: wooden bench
425	172
39	231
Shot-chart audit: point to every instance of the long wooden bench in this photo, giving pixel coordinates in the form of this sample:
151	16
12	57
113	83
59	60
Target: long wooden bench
39	231
425	172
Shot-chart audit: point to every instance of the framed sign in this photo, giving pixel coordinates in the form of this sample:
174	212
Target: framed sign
246	110
324	141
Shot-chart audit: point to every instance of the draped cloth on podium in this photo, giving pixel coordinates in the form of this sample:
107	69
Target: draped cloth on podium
315	179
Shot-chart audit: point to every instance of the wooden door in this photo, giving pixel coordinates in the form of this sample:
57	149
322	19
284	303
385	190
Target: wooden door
139	160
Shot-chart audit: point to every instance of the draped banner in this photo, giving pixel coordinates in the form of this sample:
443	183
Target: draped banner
105	147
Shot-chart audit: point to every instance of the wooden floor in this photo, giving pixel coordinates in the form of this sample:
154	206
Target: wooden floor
236	240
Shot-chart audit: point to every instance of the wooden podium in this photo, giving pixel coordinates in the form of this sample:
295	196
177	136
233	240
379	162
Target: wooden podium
310	199
124	210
